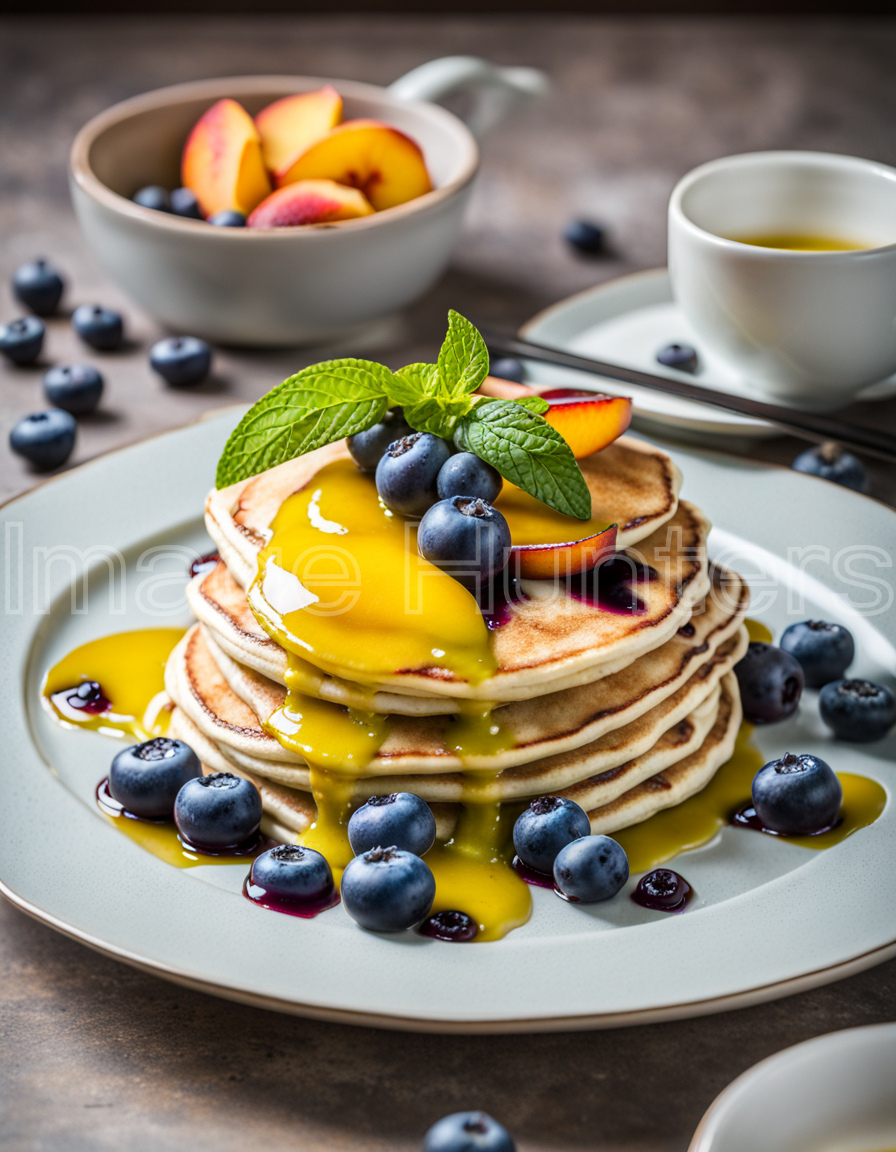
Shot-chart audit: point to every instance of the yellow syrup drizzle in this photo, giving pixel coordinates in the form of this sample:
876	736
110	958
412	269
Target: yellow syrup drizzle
698	820
758	631
130	669
532	522
162	840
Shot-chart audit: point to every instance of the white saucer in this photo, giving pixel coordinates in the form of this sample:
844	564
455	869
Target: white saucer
627	321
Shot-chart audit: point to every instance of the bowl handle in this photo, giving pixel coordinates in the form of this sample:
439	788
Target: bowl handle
495	90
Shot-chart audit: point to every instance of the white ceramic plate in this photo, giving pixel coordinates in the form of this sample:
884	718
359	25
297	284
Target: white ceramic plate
627	321
771	918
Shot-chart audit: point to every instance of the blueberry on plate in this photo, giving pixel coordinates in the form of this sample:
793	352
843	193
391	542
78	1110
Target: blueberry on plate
229	218
797	795
401	819
585	236
387	890
181	360
546	826
465	474
831	462
290	872
153	196
824	651
146	778
467	538
38	286
217	812
507	368
98	326
21	340
771	683
184	203
44	439
680	356
468	1132
857	710
590	869
407	471
366	448
74	388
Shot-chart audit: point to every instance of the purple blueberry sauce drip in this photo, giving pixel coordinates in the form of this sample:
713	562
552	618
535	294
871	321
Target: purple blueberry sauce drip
455	927
204	564
663	891
531	875
87	697
305	909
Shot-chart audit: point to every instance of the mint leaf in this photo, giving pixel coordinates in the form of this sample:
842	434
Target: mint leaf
413	382
317	406
463	359
440	417
528	452
533	404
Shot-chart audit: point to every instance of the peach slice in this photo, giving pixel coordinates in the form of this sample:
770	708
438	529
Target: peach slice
589	424
309	202
553	561
222	162
386	165
289	127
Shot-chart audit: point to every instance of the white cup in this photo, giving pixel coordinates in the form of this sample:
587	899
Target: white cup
807	328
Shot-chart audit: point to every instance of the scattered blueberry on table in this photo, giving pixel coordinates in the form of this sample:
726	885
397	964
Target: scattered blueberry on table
831	462
407	472
680	356
859	711
400	818
99	327
217	812
585	236
387	889
38	286
468	1132
44	439
466	474
184	203
546	826
507	368
367	448
292	873
153	196
824	650
467	538
75	388
229	218
797	795
181	360
591	869
146	778
21	340
771	683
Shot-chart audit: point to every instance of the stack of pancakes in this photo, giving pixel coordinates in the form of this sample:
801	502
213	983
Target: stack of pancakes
625	712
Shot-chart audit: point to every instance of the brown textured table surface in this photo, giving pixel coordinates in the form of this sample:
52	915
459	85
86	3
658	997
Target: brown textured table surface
94	1055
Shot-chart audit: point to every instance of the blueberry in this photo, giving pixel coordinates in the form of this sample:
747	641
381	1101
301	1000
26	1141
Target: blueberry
680	356
38	286
857	710
467	538
74	388
146	778
468	1132
831	462
507	368
229	218
21	340
797	794
181	360
590	869
217	811
45	439
546	826
99	327
401	818
387	890
291	872
455	927
153	196
407	470
464	474
366	448
184	203
585	236
824	651
771	683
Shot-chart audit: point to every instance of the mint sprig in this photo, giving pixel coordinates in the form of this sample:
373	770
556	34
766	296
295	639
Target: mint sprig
338	398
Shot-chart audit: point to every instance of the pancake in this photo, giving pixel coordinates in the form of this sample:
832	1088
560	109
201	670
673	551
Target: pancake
552	639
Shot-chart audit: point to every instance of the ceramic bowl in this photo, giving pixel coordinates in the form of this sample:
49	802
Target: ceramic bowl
285	285
836	1093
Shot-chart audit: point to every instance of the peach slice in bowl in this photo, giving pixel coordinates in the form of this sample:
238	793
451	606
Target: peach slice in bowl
289	126
309	202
